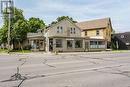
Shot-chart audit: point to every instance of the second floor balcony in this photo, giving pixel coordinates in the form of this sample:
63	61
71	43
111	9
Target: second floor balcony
30	35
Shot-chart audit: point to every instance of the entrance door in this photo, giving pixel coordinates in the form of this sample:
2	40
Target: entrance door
50	44
41	45
86	46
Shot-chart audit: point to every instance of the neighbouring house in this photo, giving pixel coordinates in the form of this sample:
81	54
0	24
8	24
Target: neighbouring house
100	29
36	40
121	40
65	36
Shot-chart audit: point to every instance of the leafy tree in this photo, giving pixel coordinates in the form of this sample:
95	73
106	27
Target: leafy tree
18	15
19	27
62	18
19	32
35	24
3	35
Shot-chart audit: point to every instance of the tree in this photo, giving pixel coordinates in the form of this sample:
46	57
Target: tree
19	27
3	35
35	24
18	15
20	30
62	18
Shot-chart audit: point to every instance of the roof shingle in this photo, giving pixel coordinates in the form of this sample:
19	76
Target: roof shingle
94	24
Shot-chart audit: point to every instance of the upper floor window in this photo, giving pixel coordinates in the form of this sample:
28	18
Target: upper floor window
97	33
59	29
72	30
86	33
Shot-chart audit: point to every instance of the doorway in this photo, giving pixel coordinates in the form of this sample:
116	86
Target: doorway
50	44
86	46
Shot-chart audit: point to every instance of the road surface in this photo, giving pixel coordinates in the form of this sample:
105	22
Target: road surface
96	69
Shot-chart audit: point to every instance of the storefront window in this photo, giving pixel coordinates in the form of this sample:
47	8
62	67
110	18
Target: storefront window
69	44
58	43
101	43
93	44
78	44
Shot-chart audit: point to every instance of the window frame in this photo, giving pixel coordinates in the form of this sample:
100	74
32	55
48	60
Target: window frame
71	42
80	43
86	33
73	30
59	43
97	32
58	31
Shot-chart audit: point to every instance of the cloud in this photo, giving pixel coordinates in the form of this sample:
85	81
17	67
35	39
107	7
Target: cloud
80	10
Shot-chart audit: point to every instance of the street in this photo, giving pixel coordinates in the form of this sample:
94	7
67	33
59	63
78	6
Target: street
81	69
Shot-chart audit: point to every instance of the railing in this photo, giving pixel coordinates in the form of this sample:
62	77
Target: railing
34	34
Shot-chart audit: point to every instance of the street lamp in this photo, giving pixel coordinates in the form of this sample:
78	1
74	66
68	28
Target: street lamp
7	8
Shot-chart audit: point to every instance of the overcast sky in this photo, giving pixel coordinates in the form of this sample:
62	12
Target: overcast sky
80	10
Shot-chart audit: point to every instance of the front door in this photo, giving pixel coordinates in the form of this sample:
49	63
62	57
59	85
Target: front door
41	45
86	46
50	44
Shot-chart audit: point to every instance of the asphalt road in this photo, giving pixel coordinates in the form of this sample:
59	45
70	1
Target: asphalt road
96	69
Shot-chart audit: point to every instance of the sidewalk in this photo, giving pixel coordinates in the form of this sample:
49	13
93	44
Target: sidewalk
65	53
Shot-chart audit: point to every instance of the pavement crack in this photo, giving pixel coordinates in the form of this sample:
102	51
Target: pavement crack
115	71
45	63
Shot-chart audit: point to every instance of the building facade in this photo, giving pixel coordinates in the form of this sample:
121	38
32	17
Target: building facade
97	29
36	41
121	40
65	36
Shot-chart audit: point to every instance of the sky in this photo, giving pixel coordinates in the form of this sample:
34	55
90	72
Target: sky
79	10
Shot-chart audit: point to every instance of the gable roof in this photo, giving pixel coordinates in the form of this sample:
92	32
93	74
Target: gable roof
125	38
52	25
94	24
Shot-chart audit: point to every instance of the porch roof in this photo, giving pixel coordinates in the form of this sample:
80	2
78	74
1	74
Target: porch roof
97	39
69	37
35	35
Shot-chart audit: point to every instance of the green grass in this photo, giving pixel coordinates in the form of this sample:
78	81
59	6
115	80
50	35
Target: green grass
120	51
3	50
21	51
15	51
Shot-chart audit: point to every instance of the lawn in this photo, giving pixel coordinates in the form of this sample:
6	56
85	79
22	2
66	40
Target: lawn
3	50
120	51
15	51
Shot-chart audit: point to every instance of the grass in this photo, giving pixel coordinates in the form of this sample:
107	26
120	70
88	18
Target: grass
21	51
3	50
15	51
120	51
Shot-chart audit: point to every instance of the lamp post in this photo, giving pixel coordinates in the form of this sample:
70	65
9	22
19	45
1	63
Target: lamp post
7	9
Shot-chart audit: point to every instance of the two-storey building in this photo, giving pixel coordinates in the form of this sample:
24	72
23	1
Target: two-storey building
66	36
99	31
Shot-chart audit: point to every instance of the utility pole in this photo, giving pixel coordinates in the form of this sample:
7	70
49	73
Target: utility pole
7	8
